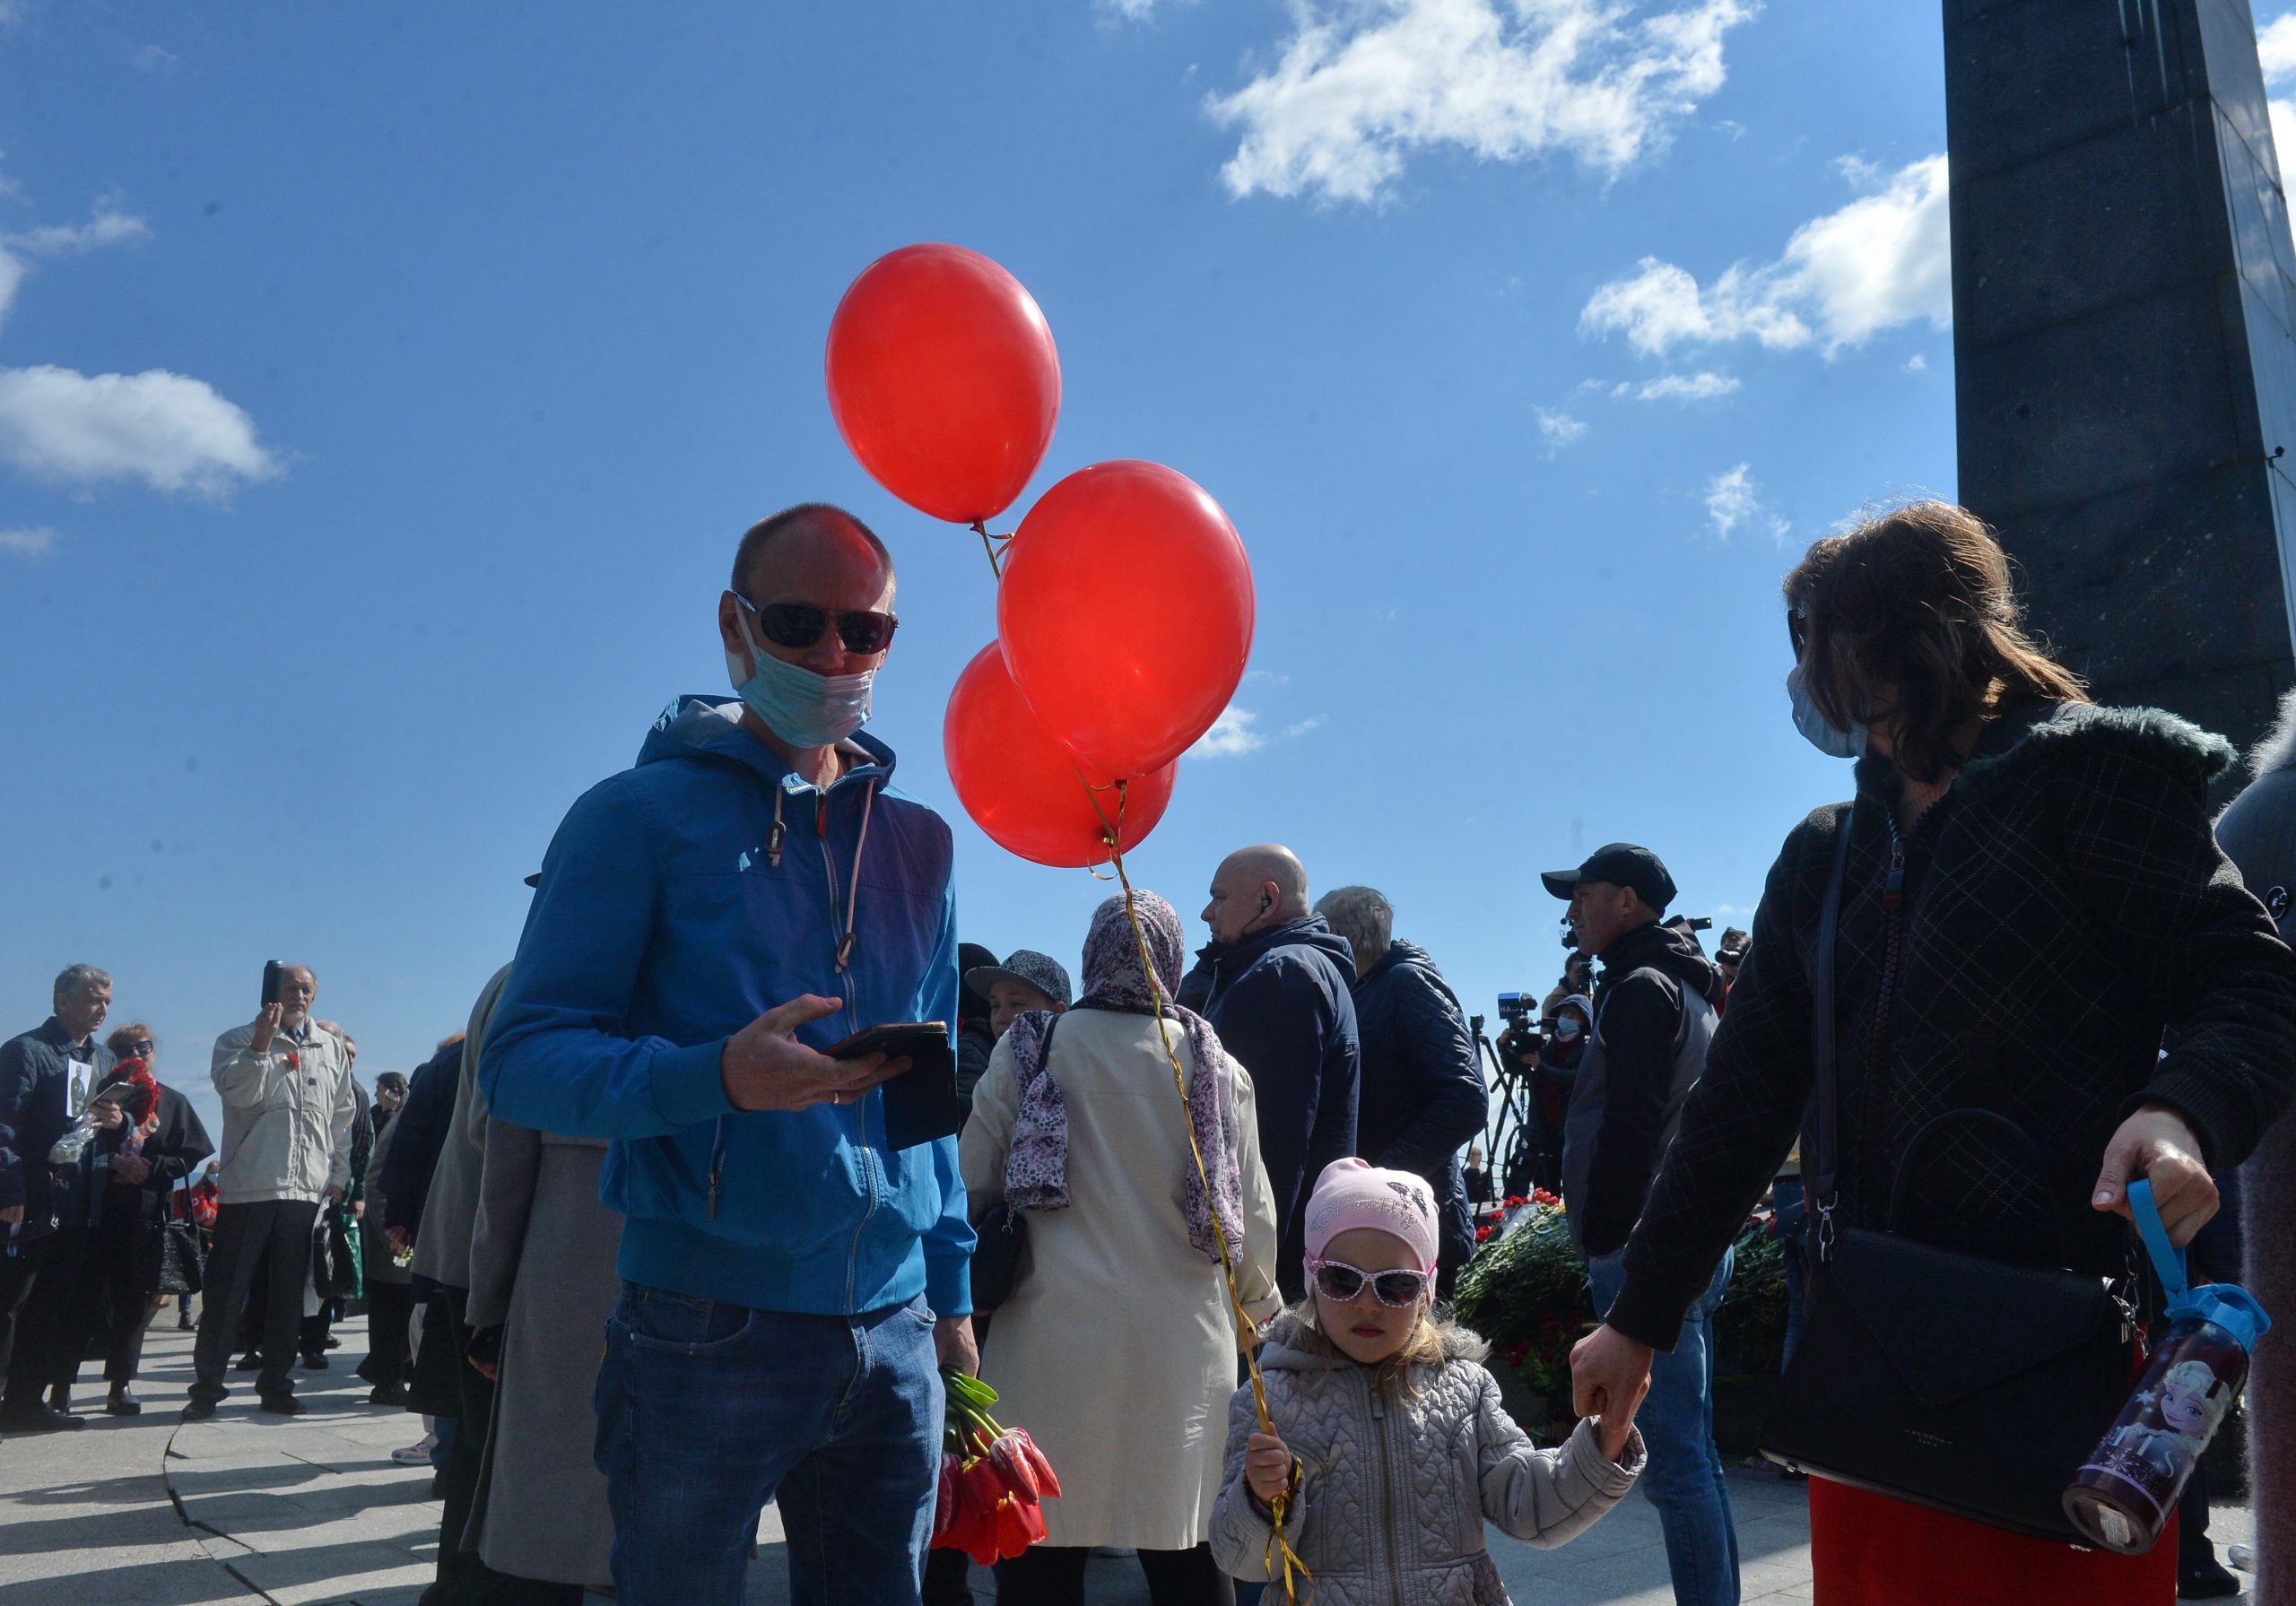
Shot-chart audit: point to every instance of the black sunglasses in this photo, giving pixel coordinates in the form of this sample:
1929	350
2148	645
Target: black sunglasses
143	1047
799	625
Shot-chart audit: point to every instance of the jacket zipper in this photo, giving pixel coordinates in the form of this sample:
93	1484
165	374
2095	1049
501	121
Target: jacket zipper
1386	1492
862	1155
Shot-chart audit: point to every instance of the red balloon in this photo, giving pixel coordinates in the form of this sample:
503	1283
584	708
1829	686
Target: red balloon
944	380
1126	613
1026	790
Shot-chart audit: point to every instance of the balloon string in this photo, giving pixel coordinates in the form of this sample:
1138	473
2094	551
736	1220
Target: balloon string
989	545
1278	1547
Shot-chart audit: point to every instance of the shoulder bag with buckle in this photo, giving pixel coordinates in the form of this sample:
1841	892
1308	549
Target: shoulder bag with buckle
1948	1379
1000	1254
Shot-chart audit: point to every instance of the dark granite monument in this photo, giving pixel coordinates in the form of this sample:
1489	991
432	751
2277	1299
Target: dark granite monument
2126	370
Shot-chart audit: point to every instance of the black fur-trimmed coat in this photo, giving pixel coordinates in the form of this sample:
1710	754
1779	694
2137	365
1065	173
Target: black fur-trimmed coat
2063	903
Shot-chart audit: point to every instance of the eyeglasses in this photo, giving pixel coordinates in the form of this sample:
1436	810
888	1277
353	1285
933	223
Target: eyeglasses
1340	1282
799	625
143	1047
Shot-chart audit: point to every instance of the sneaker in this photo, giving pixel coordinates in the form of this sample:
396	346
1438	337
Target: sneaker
37	1417
281	1405
2208	1582
418	1453
124	1403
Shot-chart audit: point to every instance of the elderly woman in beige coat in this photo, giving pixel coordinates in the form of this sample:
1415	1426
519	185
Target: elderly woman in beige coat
1116	1348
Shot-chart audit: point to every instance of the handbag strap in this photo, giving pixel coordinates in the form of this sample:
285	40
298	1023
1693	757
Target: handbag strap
1825	1156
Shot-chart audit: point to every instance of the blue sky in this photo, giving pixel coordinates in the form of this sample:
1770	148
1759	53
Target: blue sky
382	392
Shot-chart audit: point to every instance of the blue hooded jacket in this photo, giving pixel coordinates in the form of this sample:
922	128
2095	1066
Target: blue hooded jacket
679	901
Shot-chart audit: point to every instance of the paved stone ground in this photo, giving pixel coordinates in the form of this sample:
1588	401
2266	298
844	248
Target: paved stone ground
153	1511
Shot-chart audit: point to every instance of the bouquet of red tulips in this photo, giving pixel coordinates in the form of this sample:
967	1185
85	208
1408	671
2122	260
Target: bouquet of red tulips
992	1478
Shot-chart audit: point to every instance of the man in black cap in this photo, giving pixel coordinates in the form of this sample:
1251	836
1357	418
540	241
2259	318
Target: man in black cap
1654	1016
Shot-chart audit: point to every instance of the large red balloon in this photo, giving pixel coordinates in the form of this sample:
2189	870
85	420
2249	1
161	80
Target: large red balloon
1126	613
944	380
1024	789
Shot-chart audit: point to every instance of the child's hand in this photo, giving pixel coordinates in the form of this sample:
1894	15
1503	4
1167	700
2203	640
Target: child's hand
1267	1466
1616	1422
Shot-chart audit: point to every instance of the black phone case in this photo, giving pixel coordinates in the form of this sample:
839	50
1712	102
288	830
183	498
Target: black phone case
921	1103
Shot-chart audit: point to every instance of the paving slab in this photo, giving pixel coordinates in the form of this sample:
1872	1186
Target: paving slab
311	1511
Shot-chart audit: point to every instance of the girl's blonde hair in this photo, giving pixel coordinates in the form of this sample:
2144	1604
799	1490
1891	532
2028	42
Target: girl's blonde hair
1426	1347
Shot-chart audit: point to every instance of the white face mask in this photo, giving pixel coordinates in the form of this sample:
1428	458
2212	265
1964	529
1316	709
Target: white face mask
1821	732
803	708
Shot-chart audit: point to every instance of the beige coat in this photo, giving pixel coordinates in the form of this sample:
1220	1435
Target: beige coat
287	1115
1117	1351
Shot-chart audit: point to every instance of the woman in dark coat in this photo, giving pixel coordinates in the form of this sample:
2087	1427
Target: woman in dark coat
171	1142
2032	893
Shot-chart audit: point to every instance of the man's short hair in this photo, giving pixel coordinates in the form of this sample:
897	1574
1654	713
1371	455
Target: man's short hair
761	534
390	1082
1361	914
74	979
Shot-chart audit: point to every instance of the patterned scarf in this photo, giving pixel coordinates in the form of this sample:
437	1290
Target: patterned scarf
1036	1168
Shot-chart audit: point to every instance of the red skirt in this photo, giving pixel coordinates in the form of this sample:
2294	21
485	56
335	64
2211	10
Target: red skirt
1867	1549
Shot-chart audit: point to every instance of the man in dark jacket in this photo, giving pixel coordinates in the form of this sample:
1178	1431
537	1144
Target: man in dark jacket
1275	982
1423	1093
46	1076
1654	1016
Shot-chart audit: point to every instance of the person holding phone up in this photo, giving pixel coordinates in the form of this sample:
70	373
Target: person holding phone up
707	924
287	1113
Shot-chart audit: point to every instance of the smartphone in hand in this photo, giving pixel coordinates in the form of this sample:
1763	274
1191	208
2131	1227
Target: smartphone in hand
920	1103
274	982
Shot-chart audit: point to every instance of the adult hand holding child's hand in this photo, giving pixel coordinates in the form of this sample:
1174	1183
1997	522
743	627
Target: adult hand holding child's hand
1610	1373
1616	1423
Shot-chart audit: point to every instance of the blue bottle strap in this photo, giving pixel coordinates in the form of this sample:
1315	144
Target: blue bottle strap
2228	1305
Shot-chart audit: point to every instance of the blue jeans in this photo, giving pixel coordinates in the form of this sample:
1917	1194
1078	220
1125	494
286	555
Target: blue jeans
706	1411
1683	1479
1786	1198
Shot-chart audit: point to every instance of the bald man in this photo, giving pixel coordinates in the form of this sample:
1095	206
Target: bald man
707	924
1276	982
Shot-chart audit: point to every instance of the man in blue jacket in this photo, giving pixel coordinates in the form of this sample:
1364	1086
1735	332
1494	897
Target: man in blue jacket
1275	981
708	922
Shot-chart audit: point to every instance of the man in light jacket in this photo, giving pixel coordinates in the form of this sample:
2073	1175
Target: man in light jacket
287	1112
709	921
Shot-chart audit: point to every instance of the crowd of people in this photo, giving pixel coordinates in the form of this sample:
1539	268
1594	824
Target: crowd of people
1154	1175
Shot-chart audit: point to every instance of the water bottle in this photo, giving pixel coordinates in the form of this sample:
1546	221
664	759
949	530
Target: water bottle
2124	1494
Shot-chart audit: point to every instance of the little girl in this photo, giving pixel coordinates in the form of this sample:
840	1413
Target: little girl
1390	1439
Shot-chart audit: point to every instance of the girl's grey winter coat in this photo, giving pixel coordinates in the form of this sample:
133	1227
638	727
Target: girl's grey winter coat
1395	1491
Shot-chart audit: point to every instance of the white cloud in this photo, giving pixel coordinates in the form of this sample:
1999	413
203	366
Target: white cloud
1916	364
1860	172
1314	722
1560	429
1363	86
172	432
2276	48
1677	387
1885	259
155	62
27	543
1231	736
1734	497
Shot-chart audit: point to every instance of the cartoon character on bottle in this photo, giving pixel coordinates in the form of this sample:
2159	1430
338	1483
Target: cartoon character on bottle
2165	1440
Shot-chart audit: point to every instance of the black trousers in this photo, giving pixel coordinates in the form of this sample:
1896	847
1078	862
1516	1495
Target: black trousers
389	1306
58	1315
20	1264
243	1234
1054	1575
465	1580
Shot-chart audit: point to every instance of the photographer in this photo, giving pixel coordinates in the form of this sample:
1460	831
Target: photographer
1549	1053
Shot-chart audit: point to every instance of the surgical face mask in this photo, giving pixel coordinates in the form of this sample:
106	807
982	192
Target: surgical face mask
1565	1029
1821	732
803	708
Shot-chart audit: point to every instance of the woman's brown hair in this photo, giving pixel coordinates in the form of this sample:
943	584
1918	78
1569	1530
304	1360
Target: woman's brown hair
1911	622
135	1032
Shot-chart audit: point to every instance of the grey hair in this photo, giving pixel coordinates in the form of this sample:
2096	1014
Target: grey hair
74	979
1361	914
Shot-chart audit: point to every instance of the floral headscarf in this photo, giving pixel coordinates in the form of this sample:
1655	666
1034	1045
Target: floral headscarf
1036	1167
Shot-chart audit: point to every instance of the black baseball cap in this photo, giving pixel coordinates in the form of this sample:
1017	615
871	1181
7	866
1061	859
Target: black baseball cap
1621	865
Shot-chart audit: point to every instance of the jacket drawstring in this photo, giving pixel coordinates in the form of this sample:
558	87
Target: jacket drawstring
853	891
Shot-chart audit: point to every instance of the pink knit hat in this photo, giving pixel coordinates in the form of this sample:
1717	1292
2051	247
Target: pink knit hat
1355	1192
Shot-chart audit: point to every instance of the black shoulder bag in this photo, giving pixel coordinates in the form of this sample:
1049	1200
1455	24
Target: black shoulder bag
1948	1379
1000	1253
164	1256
